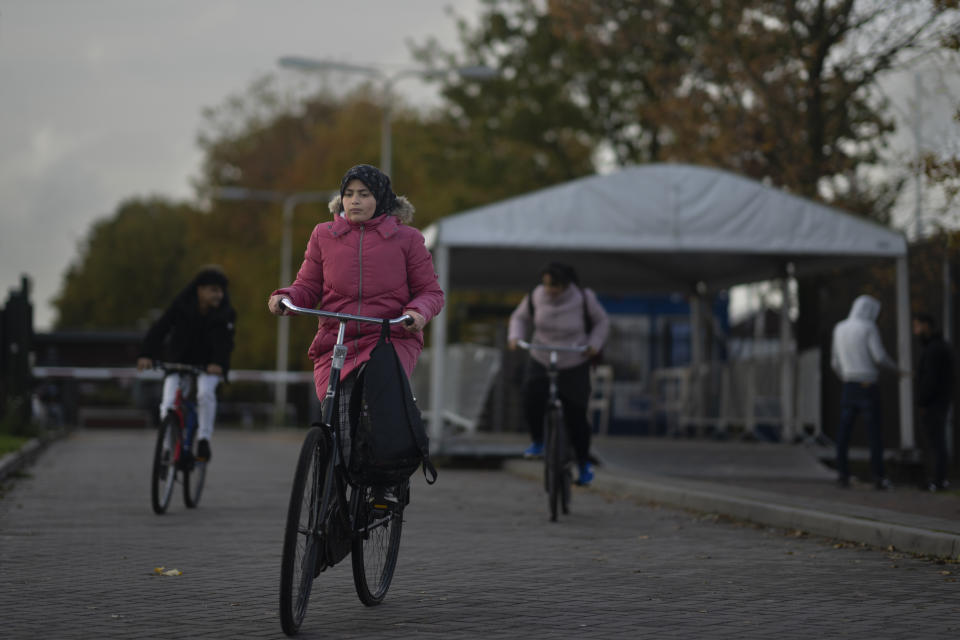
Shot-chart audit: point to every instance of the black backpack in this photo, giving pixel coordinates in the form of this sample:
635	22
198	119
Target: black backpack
388	440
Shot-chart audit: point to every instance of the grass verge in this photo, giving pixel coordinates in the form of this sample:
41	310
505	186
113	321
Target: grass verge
9	444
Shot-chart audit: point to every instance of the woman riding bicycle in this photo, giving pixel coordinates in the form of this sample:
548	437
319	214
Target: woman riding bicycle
560	312
200	326
366	261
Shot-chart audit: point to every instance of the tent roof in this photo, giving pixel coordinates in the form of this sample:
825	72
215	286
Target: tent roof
656	227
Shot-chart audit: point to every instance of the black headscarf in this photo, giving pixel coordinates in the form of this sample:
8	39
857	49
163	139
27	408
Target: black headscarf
211	274
377	181
561	274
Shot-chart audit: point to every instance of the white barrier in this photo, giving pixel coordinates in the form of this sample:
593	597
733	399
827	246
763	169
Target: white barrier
468	376
131	373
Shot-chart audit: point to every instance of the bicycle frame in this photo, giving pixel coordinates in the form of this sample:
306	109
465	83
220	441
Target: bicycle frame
339	358
185	409
552	371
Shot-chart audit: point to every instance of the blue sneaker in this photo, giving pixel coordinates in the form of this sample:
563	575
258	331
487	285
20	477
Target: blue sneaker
535	450
586	474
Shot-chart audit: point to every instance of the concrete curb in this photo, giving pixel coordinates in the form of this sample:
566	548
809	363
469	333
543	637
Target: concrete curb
770	509
12	463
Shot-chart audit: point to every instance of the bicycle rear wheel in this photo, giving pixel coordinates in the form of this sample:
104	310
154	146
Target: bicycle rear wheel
377	525
302	540
566	480
165	455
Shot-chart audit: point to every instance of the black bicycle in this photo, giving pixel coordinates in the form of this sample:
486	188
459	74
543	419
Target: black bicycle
557	475
330	517
173	453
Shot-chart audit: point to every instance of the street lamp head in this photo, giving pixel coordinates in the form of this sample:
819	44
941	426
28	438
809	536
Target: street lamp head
474	72
243	193
300	63
477	72
311	64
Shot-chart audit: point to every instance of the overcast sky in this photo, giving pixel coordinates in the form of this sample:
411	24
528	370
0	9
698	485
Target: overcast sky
101	100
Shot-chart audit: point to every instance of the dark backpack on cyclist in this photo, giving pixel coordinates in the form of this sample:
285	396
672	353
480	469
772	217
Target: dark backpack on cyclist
388	440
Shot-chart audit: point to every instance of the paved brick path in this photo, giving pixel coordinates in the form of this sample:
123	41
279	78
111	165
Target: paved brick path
78	544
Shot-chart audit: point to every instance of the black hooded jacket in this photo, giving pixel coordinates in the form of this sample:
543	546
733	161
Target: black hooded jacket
934	372
182	335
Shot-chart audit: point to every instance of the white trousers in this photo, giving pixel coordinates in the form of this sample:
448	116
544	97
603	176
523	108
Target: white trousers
206	401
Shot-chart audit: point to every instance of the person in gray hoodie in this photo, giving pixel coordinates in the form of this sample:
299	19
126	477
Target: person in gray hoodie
856	356
559	311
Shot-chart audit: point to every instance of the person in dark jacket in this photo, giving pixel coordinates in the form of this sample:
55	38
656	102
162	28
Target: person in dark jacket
934	391
197	328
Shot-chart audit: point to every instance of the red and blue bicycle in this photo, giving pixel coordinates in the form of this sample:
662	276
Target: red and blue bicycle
173	454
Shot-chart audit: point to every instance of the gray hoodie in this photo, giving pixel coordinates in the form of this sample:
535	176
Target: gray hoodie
560	321
857	353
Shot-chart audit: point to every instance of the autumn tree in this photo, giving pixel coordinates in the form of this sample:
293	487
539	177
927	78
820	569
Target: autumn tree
778	90
132	262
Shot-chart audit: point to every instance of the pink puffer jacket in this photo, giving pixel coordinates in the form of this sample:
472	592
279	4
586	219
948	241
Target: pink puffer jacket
377	268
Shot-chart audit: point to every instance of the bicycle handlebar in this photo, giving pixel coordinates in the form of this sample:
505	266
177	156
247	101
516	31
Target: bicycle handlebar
285	302
178	367
551	347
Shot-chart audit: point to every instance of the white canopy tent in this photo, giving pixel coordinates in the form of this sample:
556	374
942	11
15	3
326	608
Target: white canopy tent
659	228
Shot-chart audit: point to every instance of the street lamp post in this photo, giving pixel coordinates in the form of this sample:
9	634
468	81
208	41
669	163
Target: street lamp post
290	201
388	80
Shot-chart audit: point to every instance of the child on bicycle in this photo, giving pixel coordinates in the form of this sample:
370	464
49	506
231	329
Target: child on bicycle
197	328
559	311
366	261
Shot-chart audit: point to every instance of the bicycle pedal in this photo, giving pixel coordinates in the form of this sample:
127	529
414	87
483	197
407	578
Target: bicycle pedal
383	501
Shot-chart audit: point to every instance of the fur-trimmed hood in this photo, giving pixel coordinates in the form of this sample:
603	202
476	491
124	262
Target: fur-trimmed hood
403	211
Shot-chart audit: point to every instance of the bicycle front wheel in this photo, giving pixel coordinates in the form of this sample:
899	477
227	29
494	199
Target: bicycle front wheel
193	480
555	462
165	455
302	540
377	525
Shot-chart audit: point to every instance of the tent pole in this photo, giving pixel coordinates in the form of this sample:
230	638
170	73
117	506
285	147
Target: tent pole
904	357
787	382
948	331
438	342
697	359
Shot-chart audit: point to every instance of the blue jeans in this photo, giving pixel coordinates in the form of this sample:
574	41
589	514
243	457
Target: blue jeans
860	399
